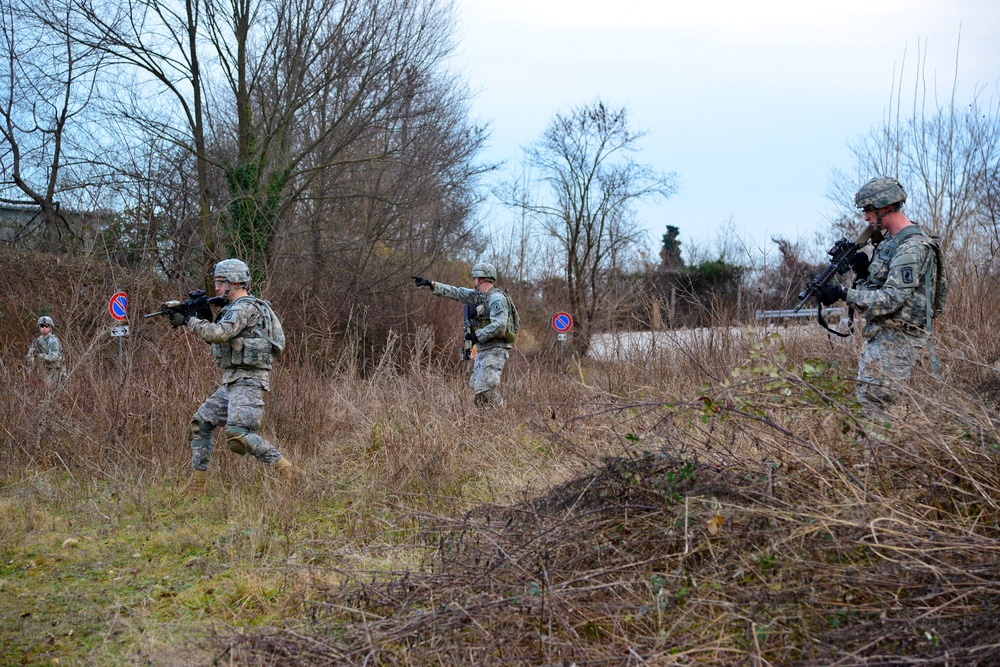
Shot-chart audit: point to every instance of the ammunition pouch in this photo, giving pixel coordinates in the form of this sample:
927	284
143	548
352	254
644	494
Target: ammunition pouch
244	353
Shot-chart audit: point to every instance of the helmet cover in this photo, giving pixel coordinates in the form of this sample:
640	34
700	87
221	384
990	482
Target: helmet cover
879	193
233	270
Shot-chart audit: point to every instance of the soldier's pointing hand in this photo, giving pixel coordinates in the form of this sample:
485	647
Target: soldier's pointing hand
420	281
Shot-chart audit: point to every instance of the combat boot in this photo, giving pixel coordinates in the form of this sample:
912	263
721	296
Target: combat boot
288	472
196	484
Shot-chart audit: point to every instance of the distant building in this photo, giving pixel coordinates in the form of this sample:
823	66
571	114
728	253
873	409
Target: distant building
16	219
21	224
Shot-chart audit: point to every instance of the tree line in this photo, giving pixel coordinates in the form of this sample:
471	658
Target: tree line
330	144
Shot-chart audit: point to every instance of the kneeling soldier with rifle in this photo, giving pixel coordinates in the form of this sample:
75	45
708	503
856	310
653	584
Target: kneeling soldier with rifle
245	339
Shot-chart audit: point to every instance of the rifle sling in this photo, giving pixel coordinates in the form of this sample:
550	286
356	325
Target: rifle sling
822	320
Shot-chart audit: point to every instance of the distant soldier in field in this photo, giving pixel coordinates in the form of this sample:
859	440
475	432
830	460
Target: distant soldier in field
899	289
245	339
46	354
493	330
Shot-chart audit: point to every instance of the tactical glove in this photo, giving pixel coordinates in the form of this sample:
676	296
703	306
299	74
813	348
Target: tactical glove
199	308
177	319
859	263
831	294
471	337
420	281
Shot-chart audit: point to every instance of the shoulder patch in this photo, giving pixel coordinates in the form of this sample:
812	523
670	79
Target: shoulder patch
906	275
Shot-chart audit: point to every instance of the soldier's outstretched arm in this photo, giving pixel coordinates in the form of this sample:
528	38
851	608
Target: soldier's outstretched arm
460	294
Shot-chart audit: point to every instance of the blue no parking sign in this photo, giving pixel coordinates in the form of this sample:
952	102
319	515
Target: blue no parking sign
562	322
118	305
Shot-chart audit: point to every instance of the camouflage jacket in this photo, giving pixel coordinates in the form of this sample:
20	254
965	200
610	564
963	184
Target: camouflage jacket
893	295
492	312
48	349
236	324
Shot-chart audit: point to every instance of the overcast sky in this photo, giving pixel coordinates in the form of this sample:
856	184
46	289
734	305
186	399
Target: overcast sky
752	104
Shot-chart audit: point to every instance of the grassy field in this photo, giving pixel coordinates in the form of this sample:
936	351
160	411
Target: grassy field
723	503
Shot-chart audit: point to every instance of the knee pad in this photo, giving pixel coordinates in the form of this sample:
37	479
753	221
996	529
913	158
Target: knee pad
236	438
199	429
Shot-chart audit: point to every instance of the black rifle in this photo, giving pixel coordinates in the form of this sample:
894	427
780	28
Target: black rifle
840	263
197	305
470	316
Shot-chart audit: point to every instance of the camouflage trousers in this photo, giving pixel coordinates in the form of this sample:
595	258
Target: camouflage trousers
53	376
886	364
240	406
486	374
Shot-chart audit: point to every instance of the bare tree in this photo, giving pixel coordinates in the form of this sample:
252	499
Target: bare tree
46	83
154	48
584	160
326	85
940	150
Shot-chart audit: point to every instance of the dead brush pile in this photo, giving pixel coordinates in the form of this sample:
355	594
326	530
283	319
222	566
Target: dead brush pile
763	523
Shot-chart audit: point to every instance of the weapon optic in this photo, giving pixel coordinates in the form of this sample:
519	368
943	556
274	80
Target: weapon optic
840	263
197	304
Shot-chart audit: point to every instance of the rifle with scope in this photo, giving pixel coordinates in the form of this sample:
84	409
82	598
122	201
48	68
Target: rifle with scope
198	304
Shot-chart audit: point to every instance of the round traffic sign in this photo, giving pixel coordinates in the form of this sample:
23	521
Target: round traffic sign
562	322
118	305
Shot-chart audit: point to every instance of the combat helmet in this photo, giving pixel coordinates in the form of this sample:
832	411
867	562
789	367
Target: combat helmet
233	270
47	321
484	270
879	193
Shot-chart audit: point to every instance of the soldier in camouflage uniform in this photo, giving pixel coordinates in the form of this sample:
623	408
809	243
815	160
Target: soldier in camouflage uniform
898	289
489	330
245	338
46	354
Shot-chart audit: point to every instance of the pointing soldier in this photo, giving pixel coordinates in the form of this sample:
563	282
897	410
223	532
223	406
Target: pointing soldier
493	329
898	290
46	353
245	339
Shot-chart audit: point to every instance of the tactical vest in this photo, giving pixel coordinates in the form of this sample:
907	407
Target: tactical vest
933	278
256	346
482	318
48	346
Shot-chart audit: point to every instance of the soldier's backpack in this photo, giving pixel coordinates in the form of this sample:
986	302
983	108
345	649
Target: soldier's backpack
936	302
270	327
513	320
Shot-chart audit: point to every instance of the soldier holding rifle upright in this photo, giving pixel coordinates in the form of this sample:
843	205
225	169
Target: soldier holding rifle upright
46	353
899	289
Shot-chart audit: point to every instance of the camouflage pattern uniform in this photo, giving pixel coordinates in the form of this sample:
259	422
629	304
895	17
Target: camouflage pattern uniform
242	350
490	327
893	299
47	350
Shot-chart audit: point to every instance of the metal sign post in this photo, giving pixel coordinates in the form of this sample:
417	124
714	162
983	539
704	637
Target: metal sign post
118	307
562	322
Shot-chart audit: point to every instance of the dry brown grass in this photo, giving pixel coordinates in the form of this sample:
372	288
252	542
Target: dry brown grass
659	510
769	533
